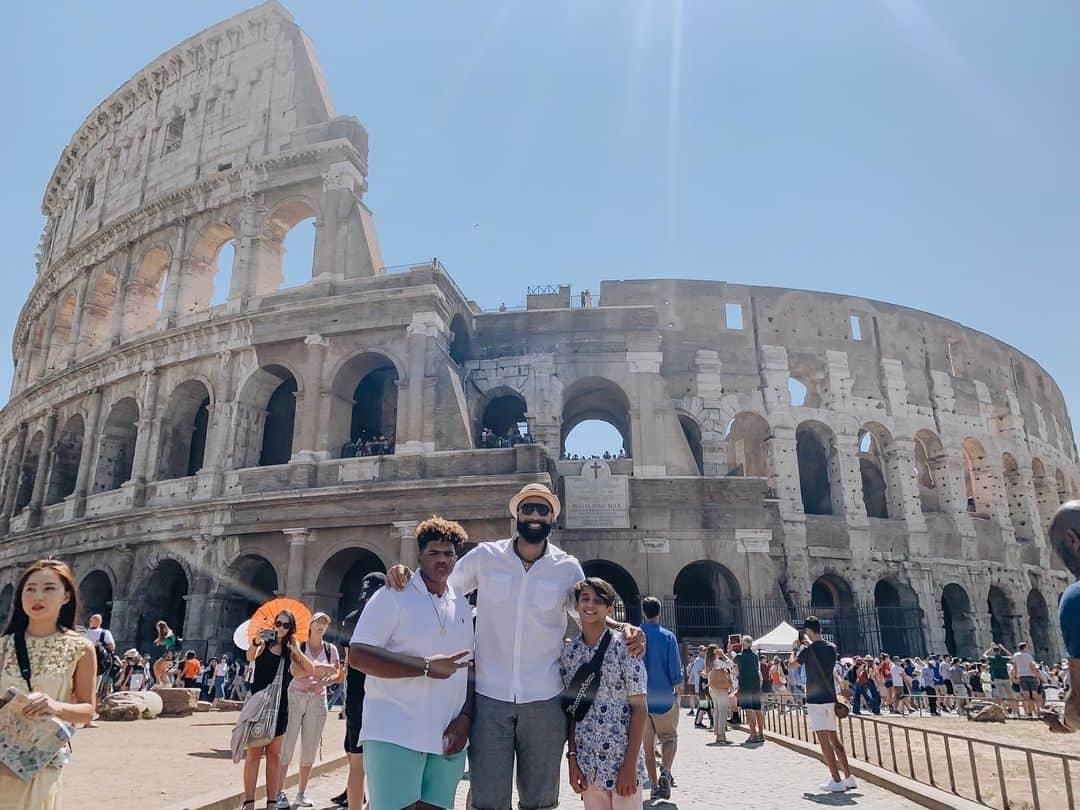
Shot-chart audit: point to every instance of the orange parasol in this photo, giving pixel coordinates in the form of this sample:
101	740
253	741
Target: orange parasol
263	618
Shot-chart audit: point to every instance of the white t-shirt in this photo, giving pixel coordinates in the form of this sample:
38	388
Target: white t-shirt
1024	663
414	712
520	618
221	669
95	635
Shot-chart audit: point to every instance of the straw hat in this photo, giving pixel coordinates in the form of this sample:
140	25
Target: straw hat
536	491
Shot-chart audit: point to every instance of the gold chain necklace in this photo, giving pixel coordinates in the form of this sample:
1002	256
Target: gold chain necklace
442	619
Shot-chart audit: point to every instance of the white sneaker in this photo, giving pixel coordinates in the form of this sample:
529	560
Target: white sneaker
832	787
850	783
283	801
303	801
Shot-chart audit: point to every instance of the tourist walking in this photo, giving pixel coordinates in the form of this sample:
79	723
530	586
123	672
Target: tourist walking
607	712
271	652
105	651
221	676
817	657
748	668
664	670
307	710
693	675
525	593
167	640
718	666
416	647
1001	690
61	675
190	670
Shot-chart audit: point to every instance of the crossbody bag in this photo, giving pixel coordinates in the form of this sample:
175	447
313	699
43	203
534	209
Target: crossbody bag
580	694
840	705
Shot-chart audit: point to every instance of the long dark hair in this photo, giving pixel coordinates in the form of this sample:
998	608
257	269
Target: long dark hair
66	620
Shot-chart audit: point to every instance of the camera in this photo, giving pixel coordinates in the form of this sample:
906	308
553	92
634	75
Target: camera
267	635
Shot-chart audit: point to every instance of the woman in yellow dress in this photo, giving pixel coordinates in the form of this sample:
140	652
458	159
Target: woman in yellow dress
63	670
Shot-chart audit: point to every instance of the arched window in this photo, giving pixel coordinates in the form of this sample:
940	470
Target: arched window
959	622
815	447
1018	504
503	422
931	468
1039	626
185	429
67	453
899	618
596	419
161	598
286	254
1002	617
144	297
116	450
97	312
96	596
879	488
978	479
708	601
744	445
207	272
692	433
832	601
250	582
29	472
60	339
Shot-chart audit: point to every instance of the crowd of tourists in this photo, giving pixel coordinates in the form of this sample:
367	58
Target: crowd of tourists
490	440
368	443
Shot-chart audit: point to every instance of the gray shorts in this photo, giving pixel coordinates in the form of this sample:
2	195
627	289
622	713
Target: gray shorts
533	732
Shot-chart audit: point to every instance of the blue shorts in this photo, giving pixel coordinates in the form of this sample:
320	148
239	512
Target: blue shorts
399	777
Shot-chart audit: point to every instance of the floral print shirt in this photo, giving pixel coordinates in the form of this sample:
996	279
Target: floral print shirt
602	737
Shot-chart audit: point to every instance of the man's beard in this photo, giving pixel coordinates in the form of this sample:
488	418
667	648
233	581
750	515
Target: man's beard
530	535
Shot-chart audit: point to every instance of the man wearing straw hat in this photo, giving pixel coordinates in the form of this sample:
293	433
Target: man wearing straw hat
524	588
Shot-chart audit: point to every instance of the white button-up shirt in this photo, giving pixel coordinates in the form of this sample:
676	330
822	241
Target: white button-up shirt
520	618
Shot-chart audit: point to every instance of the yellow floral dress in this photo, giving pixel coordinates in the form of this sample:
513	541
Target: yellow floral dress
52	669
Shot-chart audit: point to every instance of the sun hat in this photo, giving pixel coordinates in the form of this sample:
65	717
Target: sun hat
536	491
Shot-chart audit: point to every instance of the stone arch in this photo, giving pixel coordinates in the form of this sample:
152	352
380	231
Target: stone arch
60	338
67	455
28	472
250	580
116	448
101	300
692	433
628	606
600	399
200	275
833	601
931	468
7	602
1003	616
897	606
145	291
878	487
1039	626
185	430
708	601
162	596
1046	500
461	340
266	417
503	413
1017	498
338	585
745	448
978	478
96	596
819	471
364	402
268	275
959	621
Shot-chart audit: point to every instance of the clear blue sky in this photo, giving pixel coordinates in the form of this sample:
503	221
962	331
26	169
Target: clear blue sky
923	153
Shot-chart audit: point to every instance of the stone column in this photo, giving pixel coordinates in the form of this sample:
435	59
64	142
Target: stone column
310	405
298	540
649	450
219	420
122	624
196	621
123	281
409	436
172	283
14	472
147	418
904	501
46	344
72	350
405	531
41	481
89	453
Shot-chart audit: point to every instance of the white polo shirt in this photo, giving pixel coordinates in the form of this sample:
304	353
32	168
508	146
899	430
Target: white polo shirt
520	618
414	712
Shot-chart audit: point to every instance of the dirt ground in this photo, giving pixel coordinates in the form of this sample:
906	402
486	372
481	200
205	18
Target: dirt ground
158	763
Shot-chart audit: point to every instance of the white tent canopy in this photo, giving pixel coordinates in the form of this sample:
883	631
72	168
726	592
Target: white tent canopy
778	640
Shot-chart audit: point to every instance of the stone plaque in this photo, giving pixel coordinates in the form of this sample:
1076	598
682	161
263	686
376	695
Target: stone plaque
597	499
755	541
656	545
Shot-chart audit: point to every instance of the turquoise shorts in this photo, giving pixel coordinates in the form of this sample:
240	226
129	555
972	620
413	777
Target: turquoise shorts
399	777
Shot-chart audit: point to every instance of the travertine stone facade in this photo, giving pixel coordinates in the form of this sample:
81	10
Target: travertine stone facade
189	458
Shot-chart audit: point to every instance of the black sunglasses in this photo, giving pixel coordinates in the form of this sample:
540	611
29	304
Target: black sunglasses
541	509
286	625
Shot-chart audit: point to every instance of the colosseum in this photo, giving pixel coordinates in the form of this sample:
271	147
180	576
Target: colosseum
193	438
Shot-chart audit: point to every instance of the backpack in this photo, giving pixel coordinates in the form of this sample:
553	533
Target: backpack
107	663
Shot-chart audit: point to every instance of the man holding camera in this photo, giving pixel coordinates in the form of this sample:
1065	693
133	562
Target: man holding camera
817	657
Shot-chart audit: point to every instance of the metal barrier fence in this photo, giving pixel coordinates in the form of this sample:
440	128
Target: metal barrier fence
997	775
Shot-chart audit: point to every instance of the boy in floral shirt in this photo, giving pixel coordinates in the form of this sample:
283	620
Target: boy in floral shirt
606	761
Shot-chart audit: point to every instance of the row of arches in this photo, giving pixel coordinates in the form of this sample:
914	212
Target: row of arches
120	301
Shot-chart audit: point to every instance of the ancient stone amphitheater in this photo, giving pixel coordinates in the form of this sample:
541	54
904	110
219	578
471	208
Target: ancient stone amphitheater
784	450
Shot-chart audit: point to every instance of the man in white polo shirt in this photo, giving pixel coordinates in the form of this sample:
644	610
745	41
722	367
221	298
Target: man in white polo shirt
415	646
524	594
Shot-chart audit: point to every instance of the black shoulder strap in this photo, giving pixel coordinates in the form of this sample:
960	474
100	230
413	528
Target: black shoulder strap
22	655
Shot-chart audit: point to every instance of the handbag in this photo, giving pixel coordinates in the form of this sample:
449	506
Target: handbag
258	719
578	696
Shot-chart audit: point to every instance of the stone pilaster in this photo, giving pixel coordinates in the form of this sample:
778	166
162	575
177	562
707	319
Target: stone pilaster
87	462
140	472
13	475
422	332
298	540
308	410
405	533
41	480
72	350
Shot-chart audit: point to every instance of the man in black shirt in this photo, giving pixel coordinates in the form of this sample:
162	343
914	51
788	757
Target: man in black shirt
817	657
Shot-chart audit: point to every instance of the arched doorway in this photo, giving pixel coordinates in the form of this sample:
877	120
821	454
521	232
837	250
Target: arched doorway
116	449
1002	617
692	433
814	448
7	601
707	602
873	441
1039	625
162	598
96	596
832	601
251	580
279	425
628	607
744	445
67	453
959	622
186	424
503	422
29	471
460	342
364	406
339	585
595	399
899	619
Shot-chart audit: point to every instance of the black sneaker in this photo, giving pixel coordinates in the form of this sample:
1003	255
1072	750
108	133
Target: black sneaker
663	788
342	799
670	777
